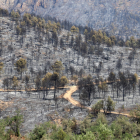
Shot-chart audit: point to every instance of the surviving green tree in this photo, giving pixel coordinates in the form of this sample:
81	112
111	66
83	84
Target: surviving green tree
20	65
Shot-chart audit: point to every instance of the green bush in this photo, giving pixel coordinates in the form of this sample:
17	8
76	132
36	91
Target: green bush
59	135
15	123
101	119
122	126
69	125
117	130
37	133
88	136
104	133
110	104
97	107
128	136
135	114
2	128
85	124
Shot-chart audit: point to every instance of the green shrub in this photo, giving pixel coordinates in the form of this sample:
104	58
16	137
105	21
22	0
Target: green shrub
88	136
15	123
97	107
85	124
2	128
135	114
69	125
104	133
122	125
117	130
37	133
110	104
128	136
59	135
101	119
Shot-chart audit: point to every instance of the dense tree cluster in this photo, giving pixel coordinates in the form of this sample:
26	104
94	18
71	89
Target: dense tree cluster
4	12
94	129
89	45
123	83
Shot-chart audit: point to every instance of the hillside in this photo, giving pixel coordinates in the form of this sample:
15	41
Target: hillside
120	17
41	61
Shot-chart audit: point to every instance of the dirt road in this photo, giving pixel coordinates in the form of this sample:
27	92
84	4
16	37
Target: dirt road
68	97
68	94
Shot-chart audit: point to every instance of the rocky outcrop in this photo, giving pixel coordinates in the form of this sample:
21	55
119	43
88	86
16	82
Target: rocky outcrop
95	13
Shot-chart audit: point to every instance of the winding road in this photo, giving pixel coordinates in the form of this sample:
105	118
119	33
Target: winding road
68	97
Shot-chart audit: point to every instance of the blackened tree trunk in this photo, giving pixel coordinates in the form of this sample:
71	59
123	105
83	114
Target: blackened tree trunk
54	89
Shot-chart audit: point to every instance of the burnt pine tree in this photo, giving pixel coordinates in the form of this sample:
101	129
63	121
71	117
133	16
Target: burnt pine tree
15	83
38	83
6	83
55	78
27	78
46	82
72	70
123	82
87	87
119	64
111	79
117	86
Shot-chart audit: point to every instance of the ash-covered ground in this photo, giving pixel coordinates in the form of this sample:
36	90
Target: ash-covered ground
40	55
35	110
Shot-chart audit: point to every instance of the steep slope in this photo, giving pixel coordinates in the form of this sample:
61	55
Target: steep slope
110	14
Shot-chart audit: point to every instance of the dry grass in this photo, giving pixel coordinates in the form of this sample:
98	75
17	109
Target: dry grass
4	105
17	138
